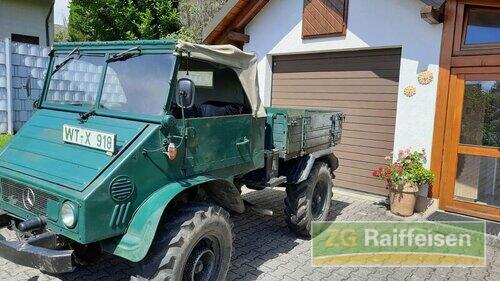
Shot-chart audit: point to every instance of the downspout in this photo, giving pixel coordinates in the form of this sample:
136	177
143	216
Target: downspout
47	32
8	70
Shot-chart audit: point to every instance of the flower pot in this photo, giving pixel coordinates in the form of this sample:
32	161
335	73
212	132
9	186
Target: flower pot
403	200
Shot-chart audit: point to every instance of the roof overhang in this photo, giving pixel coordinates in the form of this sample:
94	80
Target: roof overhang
228	25
436	4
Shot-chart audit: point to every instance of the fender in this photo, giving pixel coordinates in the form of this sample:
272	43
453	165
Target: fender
135	243
326	156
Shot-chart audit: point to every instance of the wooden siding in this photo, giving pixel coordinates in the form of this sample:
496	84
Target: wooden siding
363	84
324	18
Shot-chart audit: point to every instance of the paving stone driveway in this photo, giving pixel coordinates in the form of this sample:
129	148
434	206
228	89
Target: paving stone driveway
266	250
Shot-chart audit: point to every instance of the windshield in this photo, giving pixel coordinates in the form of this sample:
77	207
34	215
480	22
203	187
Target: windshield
75	81
134	84
138	84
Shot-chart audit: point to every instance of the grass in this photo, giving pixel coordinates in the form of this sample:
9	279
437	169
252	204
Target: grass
4	139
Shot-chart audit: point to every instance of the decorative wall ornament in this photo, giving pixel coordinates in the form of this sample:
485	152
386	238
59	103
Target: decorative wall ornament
410	91
425	77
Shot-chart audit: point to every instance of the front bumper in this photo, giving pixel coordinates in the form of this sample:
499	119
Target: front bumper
38	252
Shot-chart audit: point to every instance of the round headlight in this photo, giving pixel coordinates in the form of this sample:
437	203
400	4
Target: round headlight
68	214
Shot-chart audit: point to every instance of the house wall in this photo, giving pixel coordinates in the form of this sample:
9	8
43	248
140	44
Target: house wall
277	30
26	17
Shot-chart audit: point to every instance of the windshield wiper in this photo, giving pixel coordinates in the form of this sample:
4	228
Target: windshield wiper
67	59
136	51
84	116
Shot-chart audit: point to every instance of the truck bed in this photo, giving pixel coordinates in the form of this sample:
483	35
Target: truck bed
295	132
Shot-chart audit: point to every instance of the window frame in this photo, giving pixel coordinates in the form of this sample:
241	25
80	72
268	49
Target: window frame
127	115
462	49
106	112
48	80
171	101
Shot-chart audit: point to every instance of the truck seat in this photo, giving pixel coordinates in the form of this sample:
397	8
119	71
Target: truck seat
219	108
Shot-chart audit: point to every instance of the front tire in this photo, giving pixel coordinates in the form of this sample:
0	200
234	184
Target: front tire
195	245
309	200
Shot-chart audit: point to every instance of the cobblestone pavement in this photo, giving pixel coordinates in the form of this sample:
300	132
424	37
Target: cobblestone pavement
266	250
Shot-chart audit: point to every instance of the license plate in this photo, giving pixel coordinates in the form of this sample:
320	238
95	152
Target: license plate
89	138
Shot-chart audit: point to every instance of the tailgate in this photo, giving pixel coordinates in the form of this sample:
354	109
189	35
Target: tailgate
39	151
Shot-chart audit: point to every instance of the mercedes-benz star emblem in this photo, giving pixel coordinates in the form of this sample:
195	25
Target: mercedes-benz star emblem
28	198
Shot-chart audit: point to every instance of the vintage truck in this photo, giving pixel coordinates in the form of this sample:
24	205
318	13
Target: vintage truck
140	149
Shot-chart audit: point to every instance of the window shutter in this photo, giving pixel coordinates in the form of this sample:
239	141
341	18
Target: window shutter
323	18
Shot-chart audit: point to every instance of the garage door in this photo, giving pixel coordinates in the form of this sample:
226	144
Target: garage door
363	84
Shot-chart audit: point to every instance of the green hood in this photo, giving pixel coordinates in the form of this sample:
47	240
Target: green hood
38	149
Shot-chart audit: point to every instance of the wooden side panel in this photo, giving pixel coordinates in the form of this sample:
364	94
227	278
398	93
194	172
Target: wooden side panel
324	18
362	84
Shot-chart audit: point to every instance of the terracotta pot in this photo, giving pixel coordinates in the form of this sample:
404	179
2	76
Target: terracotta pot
403	200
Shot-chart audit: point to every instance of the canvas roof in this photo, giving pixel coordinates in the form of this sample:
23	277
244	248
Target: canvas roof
243	63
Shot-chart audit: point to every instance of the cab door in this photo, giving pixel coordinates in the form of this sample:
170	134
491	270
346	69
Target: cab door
225	145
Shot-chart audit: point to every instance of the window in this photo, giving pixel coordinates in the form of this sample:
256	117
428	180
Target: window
25	39
483	26
218	91
481	114
323	18
75	81
200	78
138	84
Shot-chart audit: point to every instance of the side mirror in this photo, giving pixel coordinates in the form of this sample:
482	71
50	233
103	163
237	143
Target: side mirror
27	86
184	94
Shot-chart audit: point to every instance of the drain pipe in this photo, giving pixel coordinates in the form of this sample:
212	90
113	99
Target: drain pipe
8	76
47	19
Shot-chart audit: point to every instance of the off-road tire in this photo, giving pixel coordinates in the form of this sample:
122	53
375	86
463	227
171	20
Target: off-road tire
170	254
299	200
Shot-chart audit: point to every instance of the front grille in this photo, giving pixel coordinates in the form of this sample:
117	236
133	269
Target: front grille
13	193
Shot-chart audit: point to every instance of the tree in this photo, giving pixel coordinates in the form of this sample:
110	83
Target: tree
108	20
196	14
61	32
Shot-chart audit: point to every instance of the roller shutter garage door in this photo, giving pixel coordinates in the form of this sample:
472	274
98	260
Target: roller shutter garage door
364	85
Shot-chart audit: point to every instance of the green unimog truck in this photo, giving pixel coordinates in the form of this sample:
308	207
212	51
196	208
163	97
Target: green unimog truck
140	149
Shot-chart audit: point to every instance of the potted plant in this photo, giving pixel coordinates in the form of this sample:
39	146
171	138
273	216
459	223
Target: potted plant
404	177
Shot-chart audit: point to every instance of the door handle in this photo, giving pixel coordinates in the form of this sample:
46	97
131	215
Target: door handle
245	141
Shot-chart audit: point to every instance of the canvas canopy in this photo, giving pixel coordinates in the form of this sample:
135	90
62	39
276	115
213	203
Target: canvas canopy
243	63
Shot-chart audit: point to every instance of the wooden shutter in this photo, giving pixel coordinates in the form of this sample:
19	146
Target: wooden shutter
323	18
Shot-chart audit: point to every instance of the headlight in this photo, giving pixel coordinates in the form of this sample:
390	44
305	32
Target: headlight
69	214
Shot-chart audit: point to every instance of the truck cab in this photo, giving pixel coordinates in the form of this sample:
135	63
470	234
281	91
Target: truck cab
130	139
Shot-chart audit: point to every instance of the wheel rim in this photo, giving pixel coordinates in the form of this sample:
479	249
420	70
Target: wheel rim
204	261
319	200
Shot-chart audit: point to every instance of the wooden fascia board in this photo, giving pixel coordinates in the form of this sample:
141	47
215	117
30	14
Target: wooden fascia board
221	20
248	13
237	23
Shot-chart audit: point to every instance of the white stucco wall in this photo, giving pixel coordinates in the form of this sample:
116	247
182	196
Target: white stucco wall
26	17
277	30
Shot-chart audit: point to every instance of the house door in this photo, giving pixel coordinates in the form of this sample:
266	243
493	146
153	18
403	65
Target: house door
472	144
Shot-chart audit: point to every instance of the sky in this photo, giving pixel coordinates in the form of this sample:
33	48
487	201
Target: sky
61	11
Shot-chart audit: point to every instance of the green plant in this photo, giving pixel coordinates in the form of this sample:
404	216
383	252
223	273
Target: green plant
109	20
4	139
407	169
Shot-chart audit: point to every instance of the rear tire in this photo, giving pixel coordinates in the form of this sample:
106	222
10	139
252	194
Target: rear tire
195	245
309	200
